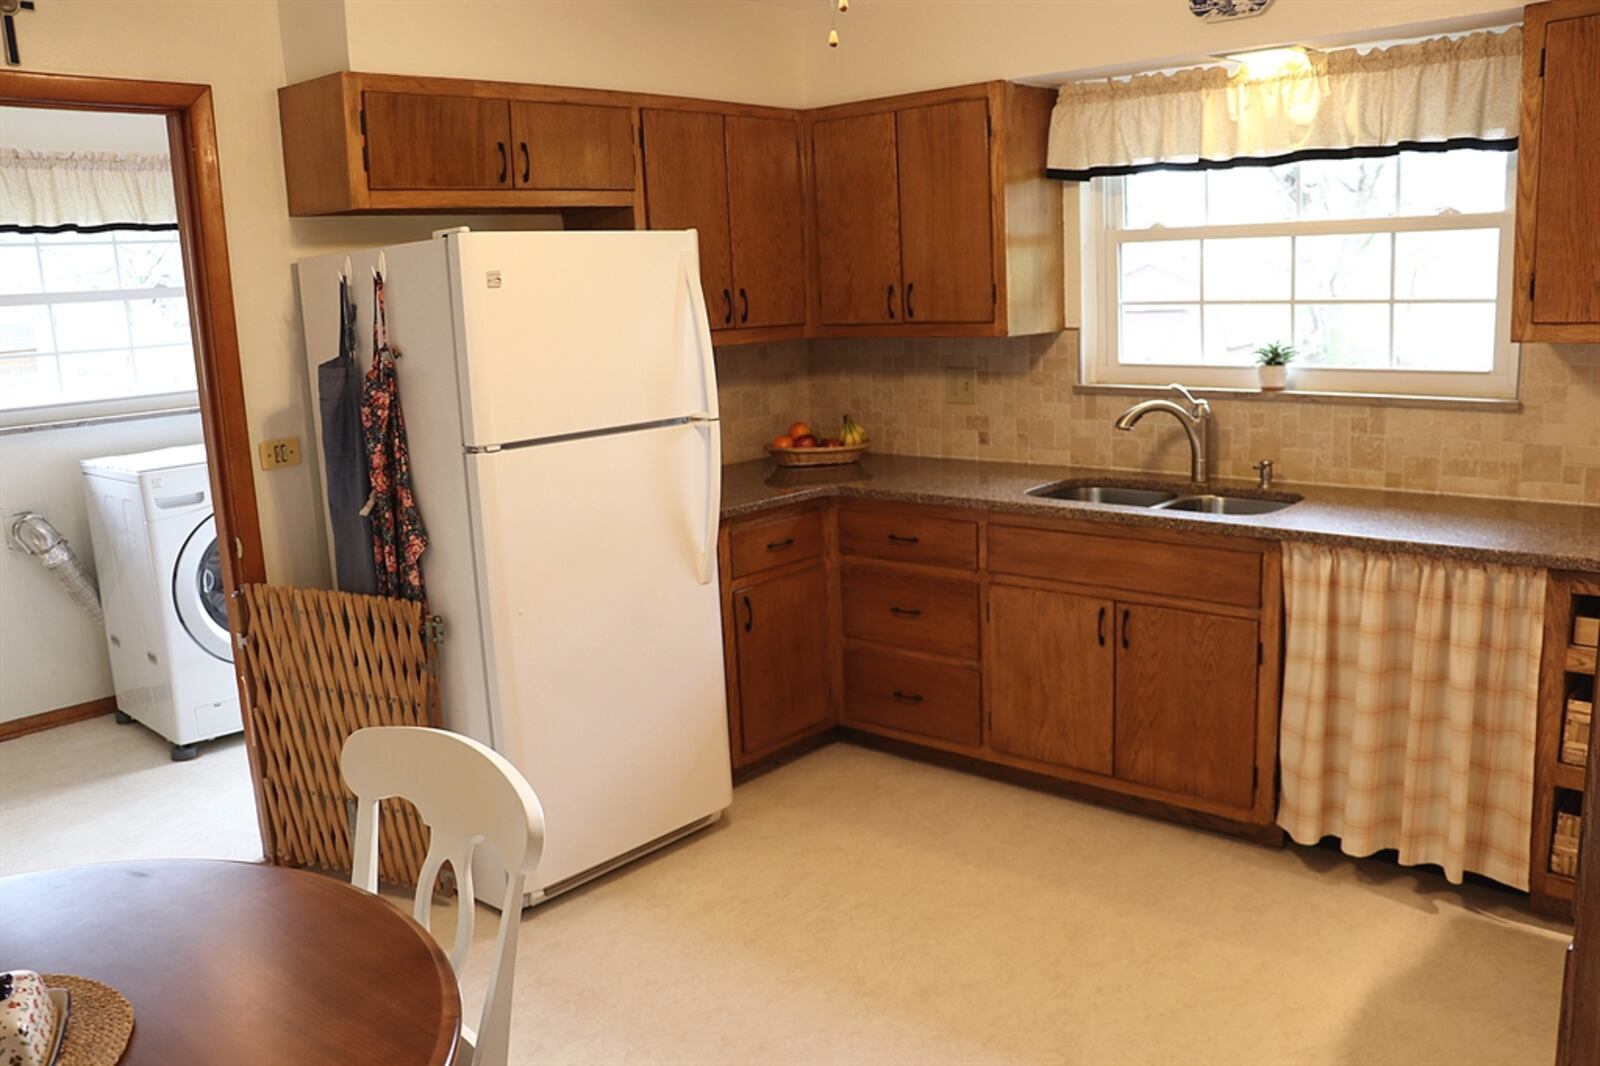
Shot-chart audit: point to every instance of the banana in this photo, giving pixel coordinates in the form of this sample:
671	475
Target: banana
851	433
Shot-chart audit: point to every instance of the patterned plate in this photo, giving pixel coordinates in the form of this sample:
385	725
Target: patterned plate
1216	10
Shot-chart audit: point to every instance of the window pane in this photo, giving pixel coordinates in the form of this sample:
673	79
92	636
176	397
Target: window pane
1164	198
1342	267
1155	333
1469	181
84	326
96	375
1248	268
1348	188
167	369
25	329
1161	270
19	269
159	321
1449	264
28	381
1342	334
1250	194
1235	331
78	267
146	265
1454	336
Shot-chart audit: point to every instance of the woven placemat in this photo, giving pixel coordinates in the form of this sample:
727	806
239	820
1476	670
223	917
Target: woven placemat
99	1021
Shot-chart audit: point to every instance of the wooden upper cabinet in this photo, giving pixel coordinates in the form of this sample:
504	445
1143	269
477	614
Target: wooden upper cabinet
946	224
1050	673
571	146
1186	703
1556	295
427	141
857	203
766	221
686	187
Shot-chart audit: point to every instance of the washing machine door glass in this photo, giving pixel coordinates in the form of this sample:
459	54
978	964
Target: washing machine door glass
197	591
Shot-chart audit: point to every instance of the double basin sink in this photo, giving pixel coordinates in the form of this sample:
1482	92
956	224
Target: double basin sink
1161	499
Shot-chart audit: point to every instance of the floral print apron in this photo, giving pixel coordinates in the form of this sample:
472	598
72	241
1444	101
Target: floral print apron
398	539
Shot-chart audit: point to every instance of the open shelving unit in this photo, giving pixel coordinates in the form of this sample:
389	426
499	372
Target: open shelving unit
1568	685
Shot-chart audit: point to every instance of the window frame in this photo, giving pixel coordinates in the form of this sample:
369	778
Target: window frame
1101	208
112	407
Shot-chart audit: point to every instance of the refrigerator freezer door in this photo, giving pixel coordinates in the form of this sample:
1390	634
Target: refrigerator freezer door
606	650
565	333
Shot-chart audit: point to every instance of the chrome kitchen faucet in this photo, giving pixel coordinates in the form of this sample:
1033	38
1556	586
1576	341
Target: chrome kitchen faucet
1196	422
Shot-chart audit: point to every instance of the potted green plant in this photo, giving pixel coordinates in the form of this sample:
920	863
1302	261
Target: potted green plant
1272	365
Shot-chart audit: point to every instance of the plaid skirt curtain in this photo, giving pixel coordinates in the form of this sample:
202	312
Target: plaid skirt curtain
1410	704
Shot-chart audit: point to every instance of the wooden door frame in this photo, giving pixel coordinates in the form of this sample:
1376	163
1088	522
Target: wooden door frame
197	177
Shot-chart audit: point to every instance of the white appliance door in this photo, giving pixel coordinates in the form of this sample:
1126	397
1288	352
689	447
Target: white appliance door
605	649
564	333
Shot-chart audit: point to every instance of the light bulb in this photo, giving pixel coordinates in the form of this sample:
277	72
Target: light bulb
844	5
833	38
1271	62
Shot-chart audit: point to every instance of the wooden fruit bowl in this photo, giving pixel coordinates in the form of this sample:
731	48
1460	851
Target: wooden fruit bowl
816	456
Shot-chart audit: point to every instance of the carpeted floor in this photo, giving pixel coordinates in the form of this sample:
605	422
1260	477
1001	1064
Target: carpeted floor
858	908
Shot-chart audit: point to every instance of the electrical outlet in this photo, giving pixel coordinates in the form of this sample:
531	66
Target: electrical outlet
285	451
961	384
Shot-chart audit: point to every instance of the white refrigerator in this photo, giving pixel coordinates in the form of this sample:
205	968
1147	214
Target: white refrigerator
560	401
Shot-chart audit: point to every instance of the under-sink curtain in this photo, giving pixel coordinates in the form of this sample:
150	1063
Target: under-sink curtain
1410	701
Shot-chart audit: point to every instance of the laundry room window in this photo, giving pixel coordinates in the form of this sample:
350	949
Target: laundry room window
91	324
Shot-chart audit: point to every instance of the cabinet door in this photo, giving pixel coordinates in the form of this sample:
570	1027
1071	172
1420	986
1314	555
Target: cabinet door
1050	669
858	219
571	146
946	217
1186	702
782	636
766	210
686	187
1566	236
417	141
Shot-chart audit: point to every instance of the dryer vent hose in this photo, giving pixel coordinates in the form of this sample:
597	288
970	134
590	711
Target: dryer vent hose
34	534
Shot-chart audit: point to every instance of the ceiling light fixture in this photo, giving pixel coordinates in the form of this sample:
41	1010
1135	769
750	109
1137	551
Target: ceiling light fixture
839	8
1271	62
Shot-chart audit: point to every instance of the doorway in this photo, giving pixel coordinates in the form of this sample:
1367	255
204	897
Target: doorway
119	362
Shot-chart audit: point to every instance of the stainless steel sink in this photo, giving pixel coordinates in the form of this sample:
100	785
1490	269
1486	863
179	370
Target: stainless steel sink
1213	504
1104	494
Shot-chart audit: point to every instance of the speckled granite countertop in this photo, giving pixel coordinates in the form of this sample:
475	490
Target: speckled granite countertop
1559	536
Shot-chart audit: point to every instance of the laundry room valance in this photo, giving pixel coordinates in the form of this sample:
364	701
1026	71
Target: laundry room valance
84	192
1442	93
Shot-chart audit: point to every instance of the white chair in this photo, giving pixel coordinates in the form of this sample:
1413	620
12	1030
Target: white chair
466	794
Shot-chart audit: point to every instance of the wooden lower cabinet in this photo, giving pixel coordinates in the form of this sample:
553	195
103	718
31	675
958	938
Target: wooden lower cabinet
781	636
1186	702
1051	671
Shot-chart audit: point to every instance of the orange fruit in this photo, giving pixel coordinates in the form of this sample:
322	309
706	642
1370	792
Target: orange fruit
783	442
799	429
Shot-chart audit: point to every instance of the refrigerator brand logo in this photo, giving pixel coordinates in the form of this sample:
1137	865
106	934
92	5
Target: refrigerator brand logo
491	278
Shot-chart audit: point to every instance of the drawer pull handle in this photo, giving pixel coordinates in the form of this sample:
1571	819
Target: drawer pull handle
779	545
906	612
889	301
727	315
907	697
505	161
1100	628
527	164
898	539
1125	614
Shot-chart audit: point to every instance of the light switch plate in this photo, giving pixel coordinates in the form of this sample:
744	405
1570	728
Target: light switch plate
285	451
961	385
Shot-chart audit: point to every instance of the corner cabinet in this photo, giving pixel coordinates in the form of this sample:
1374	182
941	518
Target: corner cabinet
1556	290
932	215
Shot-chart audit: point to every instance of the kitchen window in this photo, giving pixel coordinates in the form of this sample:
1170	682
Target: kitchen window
1389	274
92	323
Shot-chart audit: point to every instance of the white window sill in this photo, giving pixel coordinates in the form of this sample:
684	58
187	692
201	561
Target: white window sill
43	425
1488	403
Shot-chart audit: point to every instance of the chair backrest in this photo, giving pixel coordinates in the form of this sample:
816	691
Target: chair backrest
466	793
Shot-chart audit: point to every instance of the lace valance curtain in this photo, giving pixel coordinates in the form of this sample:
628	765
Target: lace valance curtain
1446	92
84	192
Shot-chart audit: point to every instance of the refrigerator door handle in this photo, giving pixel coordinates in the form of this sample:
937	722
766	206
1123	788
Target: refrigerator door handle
708	548
702	336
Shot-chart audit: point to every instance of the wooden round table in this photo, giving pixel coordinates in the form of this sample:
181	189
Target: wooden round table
238	963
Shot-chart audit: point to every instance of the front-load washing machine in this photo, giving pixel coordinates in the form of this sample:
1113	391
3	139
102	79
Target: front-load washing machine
160	573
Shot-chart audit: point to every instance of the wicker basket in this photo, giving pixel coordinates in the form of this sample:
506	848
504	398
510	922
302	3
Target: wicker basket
816	456
1564	848
1575	732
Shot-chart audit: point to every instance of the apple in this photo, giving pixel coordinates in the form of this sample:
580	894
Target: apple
805	441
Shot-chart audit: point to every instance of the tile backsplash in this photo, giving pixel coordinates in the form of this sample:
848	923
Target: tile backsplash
1028	410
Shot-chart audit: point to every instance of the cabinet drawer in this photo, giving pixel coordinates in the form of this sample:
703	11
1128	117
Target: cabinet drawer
927	614
1218	575
908	538
759	545
918	697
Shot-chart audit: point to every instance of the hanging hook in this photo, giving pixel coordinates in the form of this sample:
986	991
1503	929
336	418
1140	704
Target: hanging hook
381	271
349	272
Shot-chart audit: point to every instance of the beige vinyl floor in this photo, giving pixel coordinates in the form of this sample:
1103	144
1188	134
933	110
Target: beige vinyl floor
859	908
